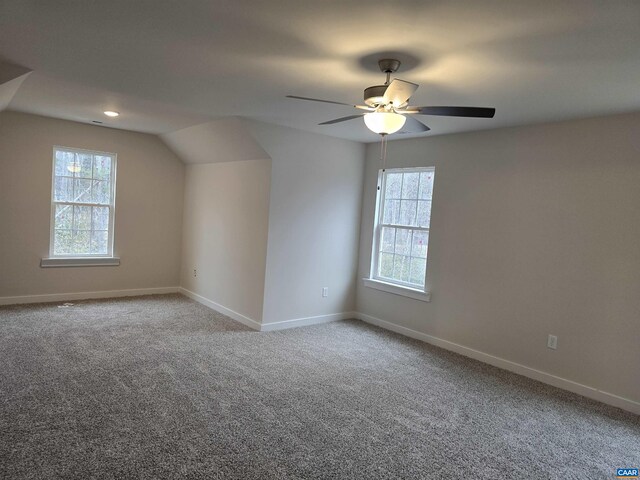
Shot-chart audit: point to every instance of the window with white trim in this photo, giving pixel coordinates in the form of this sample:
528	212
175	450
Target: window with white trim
401	235
82	203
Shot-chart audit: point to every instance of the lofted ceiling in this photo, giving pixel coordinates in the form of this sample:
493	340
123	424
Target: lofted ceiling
166	65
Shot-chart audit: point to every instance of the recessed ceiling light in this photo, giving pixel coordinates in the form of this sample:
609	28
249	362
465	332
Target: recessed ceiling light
111	113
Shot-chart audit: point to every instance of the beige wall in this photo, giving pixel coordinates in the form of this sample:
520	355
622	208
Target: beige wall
534	231
266	235
226	217
314	222
149	195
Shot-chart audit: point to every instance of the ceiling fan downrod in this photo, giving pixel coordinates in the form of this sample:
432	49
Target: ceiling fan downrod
374	95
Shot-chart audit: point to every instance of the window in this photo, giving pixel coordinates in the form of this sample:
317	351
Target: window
401	234
82	203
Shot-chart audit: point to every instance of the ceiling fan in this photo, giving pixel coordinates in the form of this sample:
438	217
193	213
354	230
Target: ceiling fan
387	108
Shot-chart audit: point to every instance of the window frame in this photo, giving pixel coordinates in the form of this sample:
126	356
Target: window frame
383	283
111	205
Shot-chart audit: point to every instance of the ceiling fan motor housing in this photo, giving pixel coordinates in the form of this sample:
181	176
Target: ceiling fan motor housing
373	96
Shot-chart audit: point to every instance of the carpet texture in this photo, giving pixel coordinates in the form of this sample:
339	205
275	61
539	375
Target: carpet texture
162	387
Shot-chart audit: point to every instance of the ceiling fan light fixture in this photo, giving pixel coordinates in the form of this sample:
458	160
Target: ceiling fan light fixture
384	123
74	167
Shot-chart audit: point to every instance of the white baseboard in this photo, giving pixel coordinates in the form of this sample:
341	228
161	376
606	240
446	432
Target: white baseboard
60	297
238	317
267	327
585	390
544	377
306	321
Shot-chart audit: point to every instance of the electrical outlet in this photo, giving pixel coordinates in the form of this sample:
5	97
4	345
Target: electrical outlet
325	291
552	342
195	272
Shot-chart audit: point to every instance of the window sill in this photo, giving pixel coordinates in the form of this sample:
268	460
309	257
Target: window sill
397	290
80	262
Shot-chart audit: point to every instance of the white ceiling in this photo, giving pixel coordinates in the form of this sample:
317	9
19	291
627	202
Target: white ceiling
167	64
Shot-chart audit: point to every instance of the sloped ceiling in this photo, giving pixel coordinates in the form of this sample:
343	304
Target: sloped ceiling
169	65
217	141
11	77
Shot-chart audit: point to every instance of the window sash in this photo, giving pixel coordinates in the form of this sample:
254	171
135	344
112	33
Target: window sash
378	253
110	205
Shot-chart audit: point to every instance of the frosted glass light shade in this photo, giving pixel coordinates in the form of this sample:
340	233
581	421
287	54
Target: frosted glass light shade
384	122
74	167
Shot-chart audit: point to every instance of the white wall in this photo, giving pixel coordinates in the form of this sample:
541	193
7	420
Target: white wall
534	231
314	222
226	218
149	193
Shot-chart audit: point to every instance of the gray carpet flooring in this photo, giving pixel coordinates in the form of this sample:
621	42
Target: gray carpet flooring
162	387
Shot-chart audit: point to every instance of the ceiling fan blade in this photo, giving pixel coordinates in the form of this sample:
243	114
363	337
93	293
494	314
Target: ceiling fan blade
398	92
342	119
412	125
362	107
477	112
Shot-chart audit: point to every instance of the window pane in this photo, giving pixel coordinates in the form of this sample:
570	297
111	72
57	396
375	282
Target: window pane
99	242
410	184
81	218
101	218
63	217
408	212
426	185
59	165
62	242
82	192
418	267
84	161
403	241
419	244
401	267
386	265
100	192
81	242
391	211
388	239
64	163
101	167
63	191
393	185
424	213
